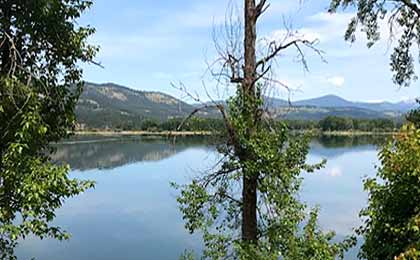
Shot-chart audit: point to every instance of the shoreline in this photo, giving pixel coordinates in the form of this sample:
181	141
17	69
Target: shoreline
209	133
346	133
357	133
143	133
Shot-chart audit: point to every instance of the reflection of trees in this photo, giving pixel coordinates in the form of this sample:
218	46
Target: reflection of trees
333	146
114	152
350	141
84	153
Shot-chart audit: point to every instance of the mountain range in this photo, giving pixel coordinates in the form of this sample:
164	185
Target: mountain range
111	105
335	101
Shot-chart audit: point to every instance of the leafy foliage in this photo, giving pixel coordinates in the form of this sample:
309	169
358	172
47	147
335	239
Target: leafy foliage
402	15
392	218
31	186
39	86
213	205
414	116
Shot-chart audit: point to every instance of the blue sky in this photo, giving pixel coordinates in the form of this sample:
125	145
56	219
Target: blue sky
146	45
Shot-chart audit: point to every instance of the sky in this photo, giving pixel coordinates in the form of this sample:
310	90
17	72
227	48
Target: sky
147	45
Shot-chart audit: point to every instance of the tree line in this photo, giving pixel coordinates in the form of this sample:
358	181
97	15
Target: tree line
335	123
330	123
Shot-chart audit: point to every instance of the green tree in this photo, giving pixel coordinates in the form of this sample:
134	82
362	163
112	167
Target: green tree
248	207
334	123
149	125
414	116
392	226
40	80
402	16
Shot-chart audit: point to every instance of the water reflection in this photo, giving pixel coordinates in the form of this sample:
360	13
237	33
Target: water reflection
132	213
336	146
108	153
95	152
330	141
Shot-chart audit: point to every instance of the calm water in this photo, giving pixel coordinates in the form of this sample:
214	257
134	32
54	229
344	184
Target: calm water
132	212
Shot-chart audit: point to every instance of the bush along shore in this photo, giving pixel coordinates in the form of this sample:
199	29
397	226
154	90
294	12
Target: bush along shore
331	125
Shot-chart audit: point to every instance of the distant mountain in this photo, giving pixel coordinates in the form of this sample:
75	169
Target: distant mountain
317	113
325	101
113	106
331	105
402	106
332	101
338	102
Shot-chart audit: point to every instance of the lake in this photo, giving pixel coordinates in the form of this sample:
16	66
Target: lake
132	213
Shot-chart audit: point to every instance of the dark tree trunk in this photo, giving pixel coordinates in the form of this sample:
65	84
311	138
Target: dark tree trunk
249	192
249	213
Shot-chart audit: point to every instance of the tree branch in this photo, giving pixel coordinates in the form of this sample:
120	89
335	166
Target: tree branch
261	8
414	7
278	49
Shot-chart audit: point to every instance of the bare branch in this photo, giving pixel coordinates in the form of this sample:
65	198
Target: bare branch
277	49
261	7
195	111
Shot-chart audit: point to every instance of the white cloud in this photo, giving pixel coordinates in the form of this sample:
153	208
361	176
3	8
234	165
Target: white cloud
332	27
335	172
283	36
329	26
329	30
321	26
337	81
373	101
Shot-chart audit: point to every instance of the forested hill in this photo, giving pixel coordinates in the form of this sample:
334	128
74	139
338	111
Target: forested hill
112	106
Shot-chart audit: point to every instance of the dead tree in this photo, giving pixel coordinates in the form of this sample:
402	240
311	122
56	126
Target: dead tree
254	70
241	65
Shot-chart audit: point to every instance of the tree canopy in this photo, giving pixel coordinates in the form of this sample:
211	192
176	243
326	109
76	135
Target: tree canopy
248	207
41	46
392	218
402	19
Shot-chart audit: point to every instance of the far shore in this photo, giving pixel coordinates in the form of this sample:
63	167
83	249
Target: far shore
347	133
209	133
144	133
356	133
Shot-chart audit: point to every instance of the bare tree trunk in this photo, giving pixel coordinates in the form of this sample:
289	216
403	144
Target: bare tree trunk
249	46
249	191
